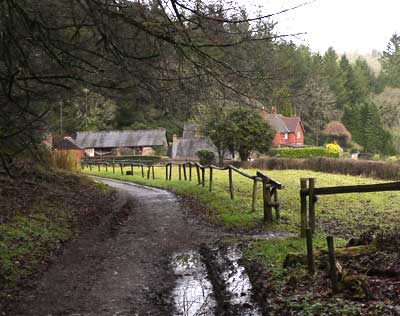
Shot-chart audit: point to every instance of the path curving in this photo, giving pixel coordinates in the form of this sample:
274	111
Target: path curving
121	267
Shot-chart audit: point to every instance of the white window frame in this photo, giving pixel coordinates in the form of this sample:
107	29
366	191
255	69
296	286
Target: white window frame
285	136
298	134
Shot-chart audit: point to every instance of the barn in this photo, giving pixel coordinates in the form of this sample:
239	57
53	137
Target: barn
103	143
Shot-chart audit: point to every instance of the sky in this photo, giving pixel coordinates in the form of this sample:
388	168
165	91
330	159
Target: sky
346	25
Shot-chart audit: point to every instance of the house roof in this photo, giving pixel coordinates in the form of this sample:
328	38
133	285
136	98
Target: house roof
187	147
114	139
67	143
189	131
281	123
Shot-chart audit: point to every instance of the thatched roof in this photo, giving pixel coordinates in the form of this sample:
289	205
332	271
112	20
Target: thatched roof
335	128
117	139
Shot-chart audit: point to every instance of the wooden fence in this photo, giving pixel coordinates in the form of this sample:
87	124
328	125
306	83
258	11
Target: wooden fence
270	187
312	192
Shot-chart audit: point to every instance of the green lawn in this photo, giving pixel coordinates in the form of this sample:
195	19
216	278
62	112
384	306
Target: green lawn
342	215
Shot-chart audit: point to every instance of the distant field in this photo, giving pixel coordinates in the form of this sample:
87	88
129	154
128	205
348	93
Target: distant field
342	215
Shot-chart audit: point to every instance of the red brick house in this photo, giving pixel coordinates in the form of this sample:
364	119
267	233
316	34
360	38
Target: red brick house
289	130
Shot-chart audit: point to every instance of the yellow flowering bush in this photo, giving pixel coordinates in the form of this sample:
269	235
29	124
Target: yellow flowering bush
332	149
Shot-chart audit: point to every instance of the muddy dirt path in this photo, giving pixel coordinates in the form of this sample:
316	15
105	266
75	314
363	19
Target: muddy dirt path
123	266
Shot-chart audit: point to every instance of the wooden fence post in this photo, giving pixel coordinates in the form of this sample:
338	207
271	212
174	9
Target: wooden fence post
90	166
152	171
303	207
203	172
106	164
113	166
190	171
230	182
142	170
120	166
267	201
332	264
148	172
166	172
132	169
98	167
253	203
311	204
180	176
211	178
276	202
310	253
170	171
198	174
184	171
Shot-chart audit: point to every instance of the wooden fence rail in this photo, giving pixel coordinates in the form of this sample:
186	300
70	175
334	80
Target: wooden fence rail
312	192
270	186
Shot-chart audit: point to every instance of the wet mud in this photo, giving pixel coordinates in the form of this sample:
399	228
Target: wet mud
212	281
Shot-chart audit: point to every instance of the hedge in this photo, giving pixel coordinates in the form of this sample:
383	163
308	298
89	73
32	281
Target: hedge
365	168
305	152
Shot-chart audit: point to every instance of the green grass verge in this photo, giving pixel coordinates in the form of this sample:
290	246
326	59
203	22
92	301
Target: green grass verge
342	215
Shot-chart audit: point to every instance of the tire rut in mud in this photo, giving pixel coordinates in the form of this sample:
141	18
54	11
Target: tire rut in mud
213	281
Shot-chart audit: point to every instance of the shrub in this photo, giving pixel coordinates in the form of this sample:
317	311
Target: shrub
374	169
332	149
392	159
206	157
64	159
305	152
376	157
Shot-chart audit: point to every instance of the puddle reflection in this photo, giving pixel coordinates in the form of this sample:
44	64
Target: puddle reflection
193	294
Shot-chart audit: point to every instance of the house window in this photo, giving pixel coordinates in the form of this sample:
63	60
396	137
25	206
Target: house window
285	136
298	135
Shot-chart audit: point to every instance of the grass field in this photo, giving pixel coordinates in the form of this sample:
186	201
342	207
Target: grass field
342	215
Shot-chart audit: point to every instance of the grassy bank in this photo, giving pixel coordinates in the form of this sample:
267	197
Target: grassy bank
39	211
342	215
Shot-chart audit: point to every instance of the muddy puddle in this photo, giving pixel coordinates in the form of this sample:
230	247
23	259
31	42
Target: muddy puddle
237	283
194	291
193	294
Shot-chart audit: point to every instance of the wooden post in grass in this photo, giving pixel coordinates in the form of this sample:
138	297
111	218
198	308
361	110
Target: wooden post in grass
311	204
148	172
166	171
276	203
98	166
142	171
303	207
211	178
253	202
332	264
198	174
203	173
180	172
90	166
184	171
132	169
152	171
310	253
106	164
230	182
267	201
113	166
170	171
122	171
190	171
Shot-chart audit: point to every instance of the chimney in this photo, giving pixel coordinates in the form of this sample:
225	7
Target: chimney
273	110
